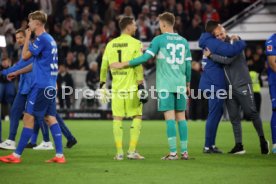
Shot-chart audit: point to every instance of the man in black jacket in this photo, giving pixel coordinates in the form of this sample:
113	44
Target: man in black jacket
64	80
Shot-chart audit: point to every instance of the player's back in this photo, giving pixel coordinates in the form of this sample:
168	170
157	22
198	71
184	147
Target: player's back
45	65
123	48
172	56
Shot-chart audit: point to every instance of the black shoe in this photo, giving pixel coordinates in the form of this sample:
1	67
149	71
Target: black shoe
215	149
207	151
265	147
238	149
30	145
71	143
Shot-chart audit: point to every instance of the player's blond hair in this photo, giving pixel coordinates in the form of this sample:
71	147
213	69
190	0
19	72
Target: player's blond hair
167	17
39	15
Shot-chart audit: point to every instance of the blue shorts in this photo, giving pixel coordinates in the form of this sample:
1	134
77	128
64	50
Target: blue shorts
39	105
272	91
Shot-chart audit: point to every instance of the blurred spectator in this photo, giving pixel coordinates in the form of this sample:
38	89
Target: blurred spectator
7	88
88	38
78	45
29	6
64	81
194	31
180	13
144	32
256	88
93	54
179	27
153	23
210	14
46	6
13	12
72	8
198	105
93	77
92	81
70	61
81	63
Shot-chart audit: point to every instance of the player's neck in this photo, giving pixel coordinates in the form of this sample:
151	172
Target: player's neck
126	33
39	31
169	30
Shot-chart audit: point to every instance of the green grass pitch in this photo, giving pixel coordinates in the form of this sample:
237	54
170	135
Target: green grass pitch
91	160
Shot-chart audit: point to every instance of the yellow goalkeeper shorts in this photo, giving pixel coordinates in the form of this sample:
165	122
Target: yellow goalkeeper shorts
126	104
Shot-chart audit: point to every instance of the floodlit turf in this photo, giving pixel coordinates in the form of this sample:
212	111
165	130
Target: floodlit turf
91	160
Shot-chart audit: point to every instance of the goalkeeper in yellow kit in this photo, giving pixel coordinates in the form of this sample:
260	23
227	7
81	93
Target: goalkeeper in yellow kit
125	86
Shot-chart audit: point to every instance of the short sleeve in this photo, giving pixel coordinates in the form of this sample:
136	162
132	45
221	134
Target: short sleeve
36	47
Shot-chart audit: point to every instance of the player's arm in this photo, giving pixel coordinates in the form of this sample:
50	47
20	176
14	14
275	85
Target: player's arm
218	58
151	51
19	72
26	54
21	64
272	62
227	49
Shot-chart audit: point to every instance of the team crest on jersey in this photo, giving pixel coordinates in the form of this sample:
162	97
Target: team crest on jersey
269	48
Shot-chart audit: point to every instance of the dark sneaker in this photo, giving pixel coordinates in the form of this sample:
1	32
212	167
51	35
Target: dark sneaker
215	149
30	145
265	147
71	143
238	149
207	150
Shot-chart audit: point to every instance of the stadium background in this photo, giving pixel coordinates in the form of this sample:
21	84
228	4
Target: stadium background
83	27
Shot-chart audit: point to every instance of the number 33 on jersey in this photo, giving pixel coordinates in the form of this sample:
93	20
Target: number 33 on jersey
173	61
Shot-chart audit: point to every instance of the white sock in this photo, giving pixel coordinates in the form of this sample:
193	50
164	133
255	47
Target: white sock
59	155
16	155
172	153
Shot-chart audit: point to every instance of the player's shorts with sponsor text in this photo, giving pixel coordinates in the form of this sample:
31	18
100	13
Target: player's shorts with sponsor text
40	104
126	104
171	101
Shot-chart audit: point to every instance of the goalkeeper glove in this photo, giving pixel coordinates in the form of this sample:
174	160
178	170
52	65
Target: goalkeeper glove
105	95
142	94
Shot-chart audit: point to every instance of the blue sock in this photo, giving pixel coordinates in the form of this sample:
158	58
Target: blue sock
64	129
35	132
171	133
25	136
183	134
44	131
56	133
273	127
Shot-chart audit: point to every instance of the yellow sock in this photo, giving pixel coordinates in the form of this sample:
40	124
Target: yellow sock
134	134
118	135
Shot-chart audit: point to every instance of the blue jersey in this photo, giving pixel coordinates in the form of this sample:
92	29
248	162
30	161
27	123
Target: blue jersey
26	79
213	73
270	46
45	65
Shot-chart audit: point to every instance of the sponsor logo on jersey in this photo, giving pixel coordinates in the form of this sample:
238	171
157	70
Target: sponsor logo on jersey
269	48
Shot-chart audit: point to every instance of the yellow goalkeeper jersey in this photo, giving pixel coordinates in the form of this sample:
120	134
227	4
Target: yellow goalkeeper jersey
123	49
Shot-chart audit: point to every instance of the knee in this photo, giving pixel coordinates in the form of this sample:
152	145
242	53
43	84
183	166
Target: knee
28	121
50	120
